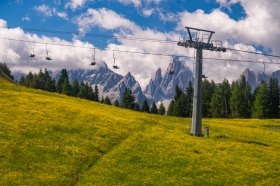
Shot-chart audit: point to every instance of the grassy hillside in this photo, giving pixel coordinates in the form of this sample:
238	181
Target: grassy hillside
51	139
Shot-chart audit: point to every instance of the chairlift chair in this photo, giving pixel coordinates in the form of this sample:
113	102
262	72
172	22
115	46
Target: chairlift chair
93	62
33	54
47	56
203	76
171	70
114	65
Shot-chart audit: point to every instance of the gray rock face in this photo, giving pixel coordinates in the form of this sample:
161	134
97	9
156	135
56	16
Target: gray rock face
99	74
254	79
163	88
128	81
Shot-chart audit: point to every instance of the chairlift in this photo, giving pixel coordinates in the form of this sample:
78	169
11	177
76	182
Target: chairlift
203	76
33	54
114	65
47	56
171	70
93	61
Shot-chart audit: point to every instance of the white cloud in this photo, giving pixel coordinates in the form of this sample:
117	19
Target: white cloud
103	18
62	15
26	18
45	9
136	3
49	12
147	12
75	4
139	3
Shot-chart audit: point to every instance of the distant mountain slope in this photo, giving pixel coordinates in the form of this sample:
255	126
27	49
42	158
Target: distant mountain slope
163	88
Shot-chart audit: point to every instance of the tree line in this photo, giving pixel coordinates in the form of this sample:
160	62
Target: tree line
227	100
42	80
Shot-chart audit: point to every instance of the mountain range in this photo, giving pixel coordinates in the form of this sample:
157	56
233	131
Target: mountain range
160	88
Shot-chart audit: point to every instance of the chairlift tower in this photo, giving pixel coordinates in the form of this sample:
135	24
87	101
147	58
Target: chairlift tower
200	44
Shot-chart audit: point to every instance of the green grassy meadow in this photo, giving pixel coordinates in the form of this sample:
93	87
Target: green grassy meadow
52	139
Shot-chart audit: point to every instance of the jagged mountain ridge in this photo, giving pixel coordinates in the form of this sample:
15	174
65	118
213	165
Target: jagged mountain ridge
162	88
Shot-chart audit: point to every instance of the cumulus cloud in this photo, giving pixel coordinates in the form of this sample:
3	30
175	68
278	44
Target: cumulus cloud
49	12
75	4
26	18
62	15
44	9
147	12
103	18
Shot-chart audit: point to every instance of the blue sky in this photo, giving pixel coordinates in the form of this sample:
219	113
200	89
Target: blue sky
240	24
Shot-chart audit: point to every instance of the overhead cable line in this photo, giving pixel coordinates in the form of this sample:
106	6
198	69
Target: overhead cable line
144	53
128	38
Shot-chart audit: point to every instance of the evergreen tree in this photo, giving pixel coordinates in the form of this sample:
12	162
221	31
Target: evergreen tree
161	109
86	91
21	81
116	103
170	108
273	98
145	106
75	88
35	82
178	93
154	109
61	80
208	89
180	106
48	85
41	80
189	99
262	103
28	79
128	99
219	105
96	93
136	107
102	100
6	70
66	87
107	101
241	99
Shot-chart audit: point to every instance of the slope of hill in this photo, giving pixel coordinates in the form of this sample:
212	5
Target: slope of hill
51	139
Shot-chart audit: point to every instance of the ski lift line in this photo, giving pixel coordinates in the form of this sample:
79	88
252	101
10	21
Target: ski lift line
100	35
145	53
129	38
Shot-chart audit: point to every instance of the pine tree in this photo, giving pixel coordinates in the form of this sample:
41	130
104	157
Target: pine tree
28	79
161	109
241	99
96	93
107	101
6	70
136	107
170	108
35	82
128	99
208	89
21	81
178	93
273	98
66	88
61	80
102	100
180	106
86	91
262	103
145	106
154	109
116	103
189	99
219	105
75	88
